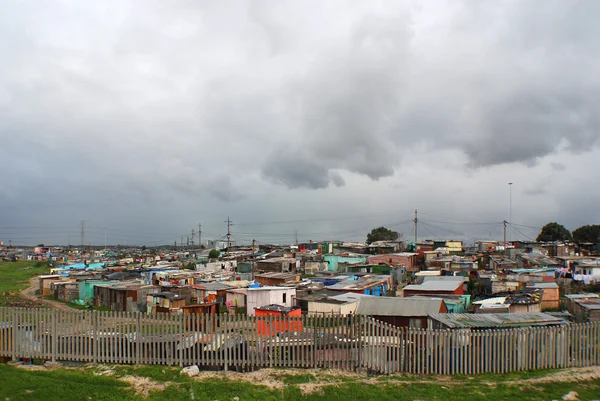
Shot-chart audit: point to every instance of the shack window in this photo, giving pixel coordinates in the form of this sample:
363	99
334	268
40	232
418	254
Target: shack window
284	297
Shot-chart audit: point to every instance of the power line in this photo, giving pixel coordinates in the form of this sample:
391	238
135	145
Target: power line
324	219
520	232
442	228
427	229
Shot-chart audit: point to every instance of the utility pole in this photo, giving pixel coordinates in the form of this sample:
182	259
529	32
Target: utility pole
188	241
510	210
200	235
416	220
296	235
175	244
505	223
193	232
181	243
253	252
228	232
82	236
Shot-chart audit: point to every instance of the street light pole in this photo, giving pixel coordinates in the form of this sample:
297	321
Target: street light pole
510	210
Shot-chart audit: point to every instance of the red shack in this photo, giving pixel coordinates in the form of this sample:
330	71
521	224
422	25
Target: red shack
284	319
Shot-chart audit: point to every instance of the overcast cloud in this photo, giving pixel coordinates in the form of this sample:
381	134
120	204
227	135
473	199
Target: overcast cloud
144	118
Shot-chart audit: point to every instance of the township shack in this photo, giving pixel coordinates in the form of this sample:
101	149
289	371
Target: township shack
45	281
587	310
435	287
269	327
123	297
401	312
164	302
263	296
550	296
377	285
573	298
211	292
455	321
333	305
273	279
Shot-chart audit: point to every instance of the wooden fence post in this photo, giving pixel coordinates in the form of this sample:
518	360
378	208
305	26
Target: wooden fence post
53	335
14	334
138	341
181	338
357	335
96	336
314	325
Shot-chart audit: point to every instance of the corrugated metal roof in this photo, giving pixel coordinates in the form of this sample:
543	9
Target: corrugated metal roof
272	288
392	306
435	285
543	285
590	304
580	296
212	286
278	275
486	320
490	301
446	278
350	296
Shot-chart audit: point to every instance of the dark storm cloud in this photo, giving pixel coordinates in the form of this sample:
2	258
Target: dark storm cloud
345	106
295	171
532	125
371	97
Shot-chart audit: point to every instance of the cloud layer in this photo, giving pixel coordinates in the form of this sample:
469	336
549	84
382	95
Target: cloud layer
112	105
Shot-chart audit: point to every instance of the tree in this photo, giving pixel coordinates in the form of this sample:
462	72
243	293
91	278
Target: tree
588	233
214	253
554	232
381	234
190	266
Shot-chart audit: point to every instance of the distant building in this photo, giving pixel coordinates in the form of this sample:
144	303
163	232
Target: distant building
263	296
550	297
406	259
401	312
273	319
435	287
461	321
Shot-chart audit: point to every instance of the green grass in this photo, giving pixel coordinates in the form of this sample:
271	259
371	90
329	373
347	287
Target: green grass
217	389
15	275
81	307
86	384
18	384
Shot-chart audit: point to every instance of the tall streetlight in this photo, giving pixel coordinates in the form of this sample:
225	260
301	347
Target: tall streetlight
510	210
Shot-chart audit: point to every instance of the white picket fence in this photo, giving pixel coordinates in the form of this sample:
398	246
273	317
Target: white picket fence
249	342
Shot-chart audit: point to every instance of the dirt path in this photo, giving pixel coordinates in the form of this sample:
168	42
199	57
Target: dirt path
29	294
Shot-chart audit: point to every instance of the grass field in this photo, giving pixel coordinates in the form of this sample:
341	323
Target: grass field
14	276
160	383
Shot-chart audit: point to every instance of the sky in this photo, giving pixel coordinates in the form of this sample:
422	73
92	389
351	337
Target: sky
302	120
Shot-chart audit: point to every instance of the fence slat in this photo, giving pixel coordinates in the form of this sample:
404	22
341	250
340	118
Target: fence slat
325	341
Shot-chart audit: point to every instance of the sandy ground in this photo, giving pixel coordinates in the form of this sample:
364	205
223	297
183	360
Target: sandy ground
29	294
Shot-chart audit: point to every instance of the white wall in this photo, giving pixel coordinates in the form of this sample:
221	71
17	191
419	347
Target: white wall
258	298
316	307
232	297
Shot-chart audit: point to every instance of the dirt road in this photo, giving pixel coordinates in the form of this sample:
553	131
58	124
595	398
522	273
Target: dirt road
29	294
